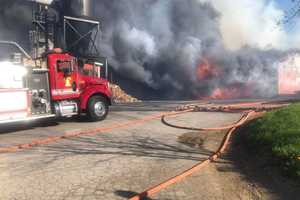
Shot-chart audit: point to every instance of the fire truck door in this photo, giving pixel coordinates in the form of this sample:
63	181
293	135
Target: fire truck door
66	79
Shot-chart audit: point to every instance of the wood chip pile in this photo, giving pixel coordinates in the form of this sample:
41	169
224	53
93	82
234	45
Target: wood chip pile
120	96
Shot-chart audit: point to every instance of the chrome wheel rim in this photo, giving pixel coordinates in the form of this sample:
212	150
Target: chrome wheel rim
99	109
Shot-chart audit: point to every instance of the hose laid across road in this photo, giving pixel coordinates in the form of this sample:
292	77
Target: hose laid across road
254	113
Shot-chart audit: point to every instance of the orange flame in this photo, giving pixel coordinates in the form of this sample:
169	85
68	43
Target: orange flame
205	70
232	91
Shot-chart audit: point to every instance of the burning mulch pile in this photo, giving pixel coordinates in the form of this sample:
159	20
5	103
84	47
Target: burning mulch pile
120	96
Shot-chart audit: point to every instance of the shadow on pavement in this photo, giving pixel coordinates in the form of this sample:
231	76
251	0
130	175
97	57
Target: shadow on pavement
21	126
106	148
133	146
129	194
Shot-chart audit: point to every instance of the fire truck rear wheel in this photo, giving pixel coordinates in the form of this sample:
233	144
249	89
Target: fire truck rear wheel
97	108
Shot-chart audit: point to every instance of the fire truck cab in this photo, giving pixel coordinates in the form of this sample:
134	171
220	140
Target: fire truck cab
76	86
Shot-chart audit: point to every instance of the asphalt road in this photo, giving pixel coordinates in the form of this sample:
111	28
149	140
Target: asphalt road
119	163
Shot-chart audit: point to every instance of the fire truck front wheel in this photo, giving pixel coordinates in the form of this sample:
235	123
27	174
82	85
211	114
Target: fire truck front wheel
97	108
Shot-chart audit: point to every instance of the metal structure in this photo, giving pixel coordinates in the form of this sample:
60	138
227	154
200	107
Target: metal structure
80	35
21	49
66	25
42	36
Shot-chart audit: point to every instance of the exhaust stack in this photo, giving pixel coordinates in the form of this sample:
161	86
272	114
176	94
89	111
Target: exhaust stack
79	8
85	7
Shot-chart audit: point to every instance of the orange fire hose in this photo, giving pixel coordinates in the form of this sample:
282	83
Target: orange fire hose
238	123
153	190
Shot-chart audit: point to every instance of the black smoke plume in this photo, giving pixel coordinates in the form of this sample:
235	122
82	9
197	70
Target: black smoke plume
158	45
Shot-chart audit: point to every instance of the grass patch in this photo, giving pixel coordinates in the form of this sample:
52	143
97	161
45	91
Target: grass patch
276	136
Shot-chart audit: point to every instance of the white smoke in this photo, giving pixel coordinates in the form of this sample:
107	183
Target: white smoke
252	23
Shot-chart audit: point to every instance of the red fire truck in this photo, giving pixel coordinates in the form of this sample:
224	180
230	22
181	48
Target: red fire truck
55	82
67	86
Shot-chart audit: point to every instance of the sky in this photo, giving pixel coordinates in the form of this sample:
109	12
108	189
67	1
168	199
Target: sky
255	23
292	28
285	4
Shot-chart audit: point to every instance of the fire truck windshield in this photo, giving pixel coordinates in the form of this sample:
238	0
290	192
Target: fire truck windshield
88	69
64	67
